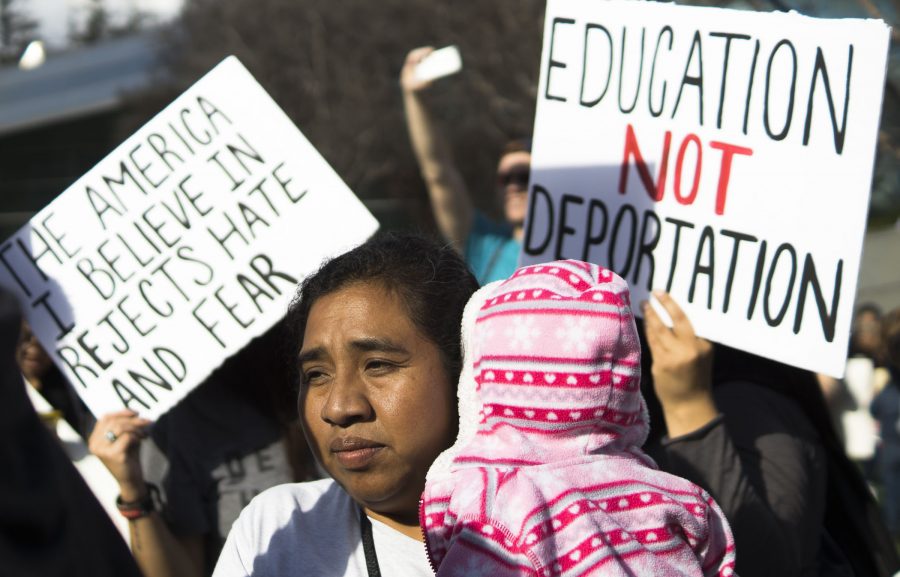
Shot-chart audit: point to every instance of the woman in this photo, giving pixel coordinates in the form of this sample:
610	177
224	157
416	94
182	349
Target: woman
757	435
378	354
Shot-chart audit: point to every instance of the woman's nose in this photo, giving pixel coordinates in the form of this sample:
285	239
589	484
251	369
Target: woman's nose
347	403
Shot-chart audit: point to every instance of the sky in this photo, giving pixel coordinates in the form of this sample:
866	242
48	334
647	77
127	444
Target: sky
54	16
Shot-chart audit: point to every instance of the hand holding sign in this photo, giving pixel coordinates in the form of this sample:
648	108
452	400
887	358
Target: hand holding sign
116	441
682	368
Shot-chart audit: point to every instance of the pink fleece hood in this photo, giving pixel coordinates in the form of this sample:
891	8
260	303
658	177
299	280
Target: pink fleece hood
557	364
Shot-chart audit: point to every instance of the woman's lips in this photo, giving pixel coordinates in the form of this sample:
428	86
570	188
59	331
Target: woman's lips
354	452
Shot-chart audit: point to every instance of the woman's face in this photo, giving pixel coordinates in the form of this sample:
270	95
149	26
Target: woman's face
376	403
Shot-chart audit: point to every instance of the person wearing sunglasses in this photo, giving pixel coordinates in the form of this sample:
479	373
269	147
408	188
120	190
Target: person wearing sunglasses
491	249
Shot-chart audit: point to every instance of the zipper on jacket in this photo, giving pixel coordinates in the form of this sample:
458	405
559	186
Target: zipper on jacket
425	536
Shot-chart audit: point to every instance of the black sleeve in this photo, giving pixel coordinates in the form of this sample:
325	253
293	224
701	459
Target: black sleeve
762	462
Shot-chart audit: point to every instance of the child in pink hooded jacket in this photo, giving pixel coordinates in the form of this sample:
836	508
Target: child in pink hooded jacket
547	477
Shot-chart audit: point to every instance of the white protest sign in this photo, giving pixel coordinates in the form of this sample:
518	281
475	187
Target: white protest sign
725	156
183	244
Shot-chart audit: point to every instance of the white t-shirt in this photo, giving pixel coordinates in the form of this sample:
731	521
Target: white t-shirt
313	529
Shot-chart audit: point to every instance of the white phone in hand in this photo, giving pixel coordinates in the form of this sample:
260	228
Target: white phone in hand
440	63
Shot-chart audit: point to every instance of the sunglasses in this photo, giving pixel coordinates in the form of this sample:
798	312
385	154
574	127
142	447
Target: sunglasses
516	177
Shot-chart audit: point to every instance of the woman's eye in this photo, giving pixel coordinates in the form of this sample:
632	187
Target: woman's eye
379	366
313	377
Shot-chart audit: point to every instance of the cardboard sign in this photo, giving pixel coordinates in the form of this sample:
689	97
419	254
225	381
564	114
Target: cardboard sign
183	244
724	156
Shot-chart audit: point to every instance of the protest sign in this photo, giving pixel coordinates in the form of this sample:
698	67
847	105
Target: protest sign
725	156
183	244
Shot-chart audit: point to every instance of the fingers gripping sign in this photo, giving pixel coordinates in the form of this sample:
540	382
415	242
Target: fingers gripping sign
116	441
682	367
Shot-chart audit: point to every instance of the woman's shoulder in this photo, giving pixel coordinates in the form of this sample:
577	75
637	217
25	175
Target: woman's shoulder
305	496
295	504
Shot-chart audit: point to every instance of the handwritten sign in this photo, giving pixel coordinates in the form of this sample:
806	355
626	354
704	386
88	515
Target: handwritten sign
725	156
183	244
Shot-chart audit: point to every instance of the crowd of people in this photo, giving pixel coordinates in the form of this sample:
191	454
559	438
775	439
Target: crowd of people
367	421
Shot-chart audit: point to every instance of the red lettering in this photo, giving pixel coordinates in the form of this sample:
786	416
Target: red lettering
689	199
632	150
728	151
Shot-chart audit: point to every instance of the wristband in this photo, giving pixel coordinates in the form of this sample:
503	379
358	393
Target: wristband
132	510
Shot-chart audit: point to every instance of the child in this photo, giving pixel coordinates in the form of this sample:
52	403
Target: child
552	481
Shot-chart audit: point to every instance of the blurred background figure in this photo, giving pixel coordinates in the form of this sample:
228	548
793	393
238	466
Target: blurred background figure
45	378
491	249
849	398
886	410
757	435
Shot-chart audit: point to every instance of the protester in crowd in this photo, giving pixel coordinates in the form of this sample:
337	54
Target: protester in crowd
491	249
756	434
228	440
50	523
554	478
39	372
886	410
849	398
377	346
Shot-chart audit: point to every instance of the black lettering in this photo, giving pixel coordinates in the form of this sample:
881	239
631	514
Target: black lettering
230	308
728	38
253	290
637	89
133	319
143	285
107	320
158	143
145	168
538	191
737	237
839	133
587	30
257	262
686	79
590	238
647	246
662	98
126	395
757	279
162	353
211	111
709	269
251	218
70	357
91	350
184	254
284	182
679	224
102	281
230	232
44	301
774	321
790	109
210	328
626	209
809	278
554	63
564	229
58	238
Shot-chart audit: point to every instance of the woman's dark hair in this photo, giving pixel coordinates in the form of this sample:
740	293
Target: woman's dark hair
432	280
